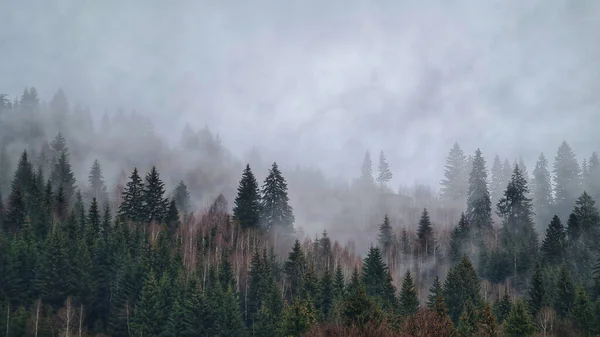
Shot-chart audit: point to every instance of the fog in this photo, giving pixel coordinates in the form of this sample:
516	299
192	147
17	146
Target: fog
317	83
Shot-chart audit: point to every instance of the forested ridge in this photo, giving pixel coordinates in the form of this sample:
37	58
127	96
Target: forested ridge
499	251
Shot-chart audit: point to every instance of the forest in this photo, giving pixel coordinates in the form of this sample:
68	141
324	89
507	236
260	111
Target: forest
107	230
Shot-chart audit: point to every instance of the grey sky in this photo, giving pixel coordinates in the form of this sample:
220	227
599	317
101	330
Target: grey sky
318	82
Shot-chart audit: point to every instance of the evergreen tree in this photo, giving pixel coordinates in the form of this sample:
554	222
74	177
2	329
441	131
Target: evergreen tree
520	238
298	318
338	282
593	185
149	310
479	208
405	244
542	191
488	325
375	278
385	175
386	235
276	212
553	246
581	312
181	196
454	186
564	293
519	323
503	307
468	321
461	286
295	268
434	292
567	184
409	303
24	176
132	207
62	175
459	240
246	207
155	203
497	183
17	214
97	184
537	292
172	218
93	223
588	219
327	295
425	236
366	172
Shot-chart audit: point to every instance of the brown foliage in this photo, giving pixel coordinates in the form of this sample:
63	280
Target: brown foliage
338	330
428	323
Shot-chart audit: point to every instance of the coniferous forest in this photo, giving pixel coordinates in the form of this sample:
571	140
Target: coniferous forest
109	231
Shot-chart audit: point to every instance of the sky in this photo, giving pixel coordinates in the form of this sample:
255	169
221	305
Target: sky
320	82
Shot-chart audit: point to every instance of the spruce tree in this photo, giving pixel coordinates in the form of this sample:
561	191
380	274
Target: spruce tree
518	322
468	321
181	196
581	312
246	209
149	309
425	237
366	172
93	223
327	295
97	184
454	186
17	213
497	181
479	208
567	184
385	175
502	307
62	175
537	292
386	235
275	210
409	303
488	325
542	192
459	240
155	203
338	282
553	246
375	278
461	285
564	293
132	207
434	291
588	219
295	268
24	176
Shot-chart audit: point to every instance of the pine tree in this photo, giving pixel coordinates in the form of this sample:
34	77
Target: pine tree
497	181
537	292
519	323
385	175
97	184
93	223
425	235
295	268
386	235
454	186
149	309
581	312
566	180
468	321
409	303
62	175
327	295
564	293
553	246
459	240
276	212
246	207
366	172
520	238
17	214
181	196
502	307
588	219
593	185
434	291
375	278
488	325
542	192
479	208
24	176
172	218
338	282
155	203
461	286
132	207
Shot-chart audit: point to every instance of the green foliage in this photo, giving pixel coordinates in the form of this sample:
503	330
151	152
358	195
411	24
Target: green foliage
468	321
375	277
247	203
564	292
298	318
518	322
479	207
434	291
154	201
454	186
275	210
461	286
537	292
581	312
386	235
132	207
409	303
553	246
181	196
567	184
295	268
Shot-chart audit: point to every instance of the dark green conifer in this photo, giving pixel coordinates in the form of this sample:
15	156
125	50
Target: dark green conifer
434	291
63	175
338	282
502	307
181	196
409	303
468	321
567	183
275	210
479	207
327	295
295	268
461	285
564	293
425	236
386	235
581	312
132	207
375	278
518	322
537	292
246	209
155	203
553	246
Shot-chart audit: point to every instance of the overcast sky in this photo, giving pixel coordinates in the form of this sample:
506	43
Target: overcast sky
319	82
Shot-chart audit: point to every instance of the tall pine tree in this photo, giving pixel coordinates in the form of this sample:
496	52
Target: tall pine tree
454	186
155	203
567	182
276	211
246	209
479	208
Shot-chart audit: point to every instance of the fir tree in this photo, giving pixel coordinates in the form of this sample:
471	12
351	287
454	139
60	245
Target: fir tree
409	303
172	218
458	240
461	285
405	244
588	219
246	207
488	325
454	186
375	278
149	309
434	291
425	235
502	307
366	172
327	295
97	184
93	223
542	191
155	203
537	292
553	246
62	175
17	214
386	235
581	312
566	180
276	212
181	196
132	207
468	321
295	268
385	175
519	323
479	208
338	282
564	293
